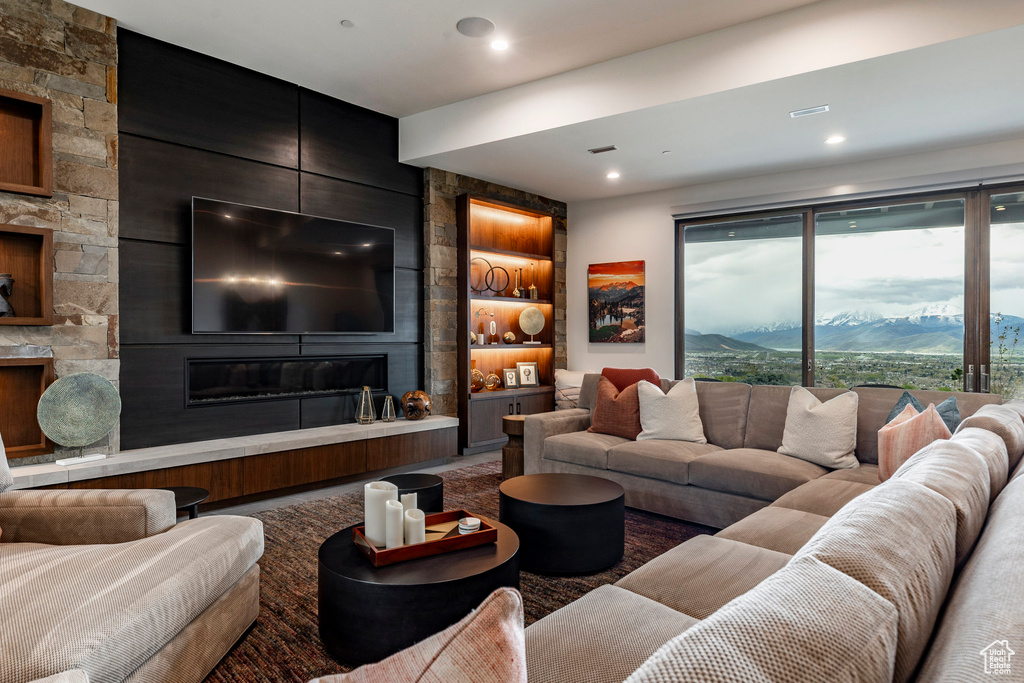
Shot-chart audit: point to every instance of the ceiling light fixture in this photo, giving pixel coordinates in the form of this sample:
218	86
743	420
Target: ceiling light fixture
613	175
835	139
347	23
475	27
499	45
808	112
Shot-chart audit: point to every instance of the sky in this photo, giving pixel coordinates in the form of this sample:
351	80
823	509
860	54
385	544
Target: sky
600	274
736	286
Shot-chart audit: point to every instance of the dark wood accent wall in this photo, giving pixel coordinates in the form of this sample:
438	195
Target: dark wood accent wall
191	125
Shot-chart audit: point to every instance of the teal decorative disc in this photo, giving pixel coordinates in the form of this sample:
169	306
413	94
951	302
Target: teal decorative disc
78	410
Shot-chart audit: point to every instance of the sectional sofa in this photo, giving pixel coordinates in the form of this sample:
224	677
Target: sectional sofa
105	584
840	578
736	473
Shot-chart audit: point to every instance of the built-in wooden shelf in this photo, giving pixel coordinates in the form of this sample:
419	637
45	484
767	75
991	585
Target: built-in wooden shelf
522	256
26	133
515	300
22	382
485	394
496	347
27	254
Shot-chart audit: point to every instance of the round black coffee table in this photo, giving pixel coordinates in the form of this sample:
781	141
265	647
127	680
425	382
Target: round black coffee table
368	613
188	498
429	489
567	523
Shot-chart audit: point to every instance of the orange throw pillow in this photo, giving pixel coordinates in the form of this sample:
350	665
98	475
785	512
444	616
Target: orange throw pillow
624	377
616	412
908	433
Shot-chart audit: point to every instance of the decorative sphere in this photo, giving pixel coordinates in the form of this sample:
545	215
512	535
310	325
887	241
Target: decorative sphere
416	405
509	337
492	382
476	380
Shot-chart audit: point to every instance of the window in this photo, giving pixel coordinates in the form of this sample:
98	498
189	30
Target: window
1006	278
889	296
743	300
921	292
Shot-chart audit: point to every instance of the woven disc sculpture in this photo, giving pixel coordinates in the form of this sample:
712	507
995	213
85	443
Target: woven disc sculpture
78	410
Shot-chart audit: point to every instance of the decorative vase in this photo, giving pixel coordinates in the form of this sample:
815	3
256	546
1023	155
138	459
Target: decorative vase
387	414
492	382
365	413
416	405
476	380
517	293
6	286
494	332
509	337
533	287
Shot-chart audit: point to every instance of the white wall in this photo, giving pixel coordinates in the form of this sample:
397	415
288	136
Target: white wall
636	227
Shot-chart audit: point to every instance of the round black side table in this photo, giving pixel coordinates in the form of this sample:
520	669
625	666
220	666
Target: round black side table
368	613
429	489
567	523
188	498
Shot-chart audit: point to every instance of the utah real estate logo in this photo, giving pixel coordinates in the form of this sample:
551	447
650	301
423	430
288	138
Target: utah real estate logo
997	657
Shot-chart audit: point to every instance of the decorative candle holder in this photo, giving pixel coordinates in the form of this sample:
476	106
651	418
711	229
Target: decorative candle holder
387	414
364	408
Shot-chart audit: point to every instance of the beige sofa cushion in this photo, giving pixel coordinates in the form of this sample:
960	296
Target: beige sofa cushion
600	638
752	472
582	448
485	646
1005	422
779	633
877	402
723	411
984	604
779	529
766	416
106	609
822	496
702	574
865	474
655	459
671	416
898	540
992	450
961	476
6	478
822	432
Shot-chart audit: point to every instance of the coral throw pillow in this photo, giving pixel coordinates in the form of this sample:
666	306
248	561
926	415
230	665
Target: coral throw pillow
616	412
909	432
487	646
624	377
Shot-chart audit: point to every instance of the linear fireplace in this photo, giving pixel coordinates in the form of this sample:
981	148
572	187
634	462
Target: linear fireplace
212	381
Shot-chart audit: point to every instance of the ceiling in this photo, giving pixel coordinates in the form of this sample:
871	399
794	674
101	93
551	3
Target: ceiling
405	56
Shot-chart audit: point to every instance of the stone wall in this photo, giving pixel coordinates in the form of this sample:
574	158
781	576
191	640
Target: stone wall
440	238
51	49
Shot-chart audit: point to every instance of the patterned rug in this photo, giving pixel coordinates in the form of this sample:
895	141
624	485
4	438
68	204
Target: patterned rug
285	645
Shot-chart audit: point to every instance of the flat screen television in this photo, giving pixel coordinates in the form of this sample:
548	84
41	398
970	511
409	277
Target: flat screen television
263	271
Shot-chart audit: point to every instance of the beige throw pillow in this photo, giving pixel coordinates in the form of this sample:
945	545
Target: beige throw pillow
673	416
822	433
6	480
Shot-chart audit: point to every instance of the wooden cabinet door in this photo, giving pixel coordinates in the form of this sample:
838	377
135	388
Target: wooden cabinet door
485	418
531	404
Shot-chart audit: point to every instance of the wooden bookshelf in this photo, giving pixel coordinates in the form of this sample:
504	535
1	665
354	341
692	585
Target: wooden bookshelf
509	238
26	133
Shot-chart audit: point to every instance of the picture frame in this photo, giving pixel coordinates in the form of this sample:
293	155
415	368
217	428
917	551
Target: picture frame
528	376
511	378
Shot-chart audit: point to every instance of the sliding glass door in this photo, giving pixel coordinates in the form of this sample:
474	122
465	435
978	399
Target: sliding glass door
923	292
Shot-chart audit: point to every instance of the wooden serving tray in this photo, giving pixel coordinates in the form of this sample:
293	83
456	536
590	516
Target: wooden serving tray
444	541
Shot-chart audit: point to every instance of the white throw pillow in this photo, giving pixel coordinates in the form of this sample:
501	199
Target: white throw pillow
673	416
6	480
822	433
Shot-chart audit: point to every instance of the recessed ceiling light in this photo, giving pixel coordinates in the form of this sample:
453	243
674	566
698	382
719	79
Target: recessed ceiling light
475	27
499	45
835	139
347	23
613	175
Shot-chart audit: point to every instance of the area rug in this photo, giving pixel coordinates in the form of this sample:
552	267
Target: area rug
285	646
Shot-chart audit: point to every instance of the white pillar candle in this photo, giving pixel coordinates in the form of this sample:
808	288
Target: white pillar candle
415	526
395	526
375	495
409	501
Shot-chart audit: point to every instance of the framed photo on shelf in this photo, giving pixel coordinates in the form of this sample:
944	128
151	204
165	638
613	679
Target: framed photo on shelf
528	376
511	377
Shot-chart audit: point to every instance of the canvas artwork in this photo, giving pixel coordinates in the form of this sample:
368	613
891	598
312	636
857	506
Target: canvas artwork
616	302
